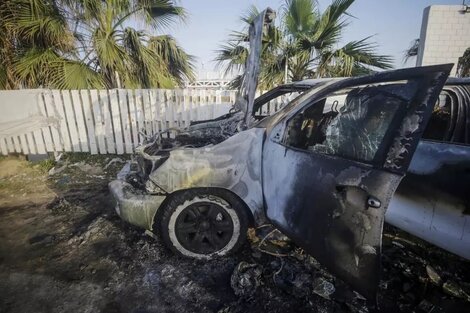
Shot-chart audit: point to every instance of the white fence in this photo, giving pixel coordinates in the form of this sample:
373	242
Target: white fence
99	121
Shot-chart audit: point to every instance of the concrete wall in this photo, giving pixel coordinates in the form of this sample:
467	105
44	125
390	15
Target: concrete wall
445	35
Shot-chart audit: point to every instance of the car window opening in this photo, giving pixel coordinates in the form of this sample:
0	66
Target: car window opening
350	124
450	120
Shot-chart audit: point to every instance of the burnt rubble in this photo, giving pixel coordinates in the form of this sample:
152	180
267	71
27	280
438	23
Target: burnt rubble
199	134
77	255
417	277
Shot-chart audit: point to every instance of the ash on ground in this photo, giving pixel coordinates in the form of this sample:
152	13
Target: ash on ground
64	249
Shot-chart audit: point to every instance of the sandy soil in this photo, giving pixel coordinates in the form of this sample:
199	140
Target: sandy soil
63	249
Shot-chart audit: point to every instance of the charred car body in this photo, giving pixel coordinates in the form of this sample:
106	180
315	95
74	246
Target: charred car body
323	169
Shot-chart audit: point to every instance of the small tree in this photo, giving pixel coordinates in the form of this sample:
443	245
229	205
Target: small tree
463	67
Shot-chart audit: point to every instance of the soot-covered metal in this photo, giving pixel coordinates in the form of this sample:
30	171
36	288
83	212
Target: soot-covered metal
433	202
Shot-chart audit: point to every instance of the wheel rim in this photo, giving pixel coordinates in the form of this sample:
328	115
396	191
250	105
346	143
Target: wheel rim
204	228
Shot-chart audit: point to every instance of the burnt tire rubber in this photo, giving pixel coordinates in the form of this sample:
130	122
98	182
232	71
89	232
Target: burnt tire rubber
203	224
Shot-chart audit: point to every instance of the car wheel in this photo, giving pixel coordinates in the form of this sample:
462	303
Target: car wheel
203	225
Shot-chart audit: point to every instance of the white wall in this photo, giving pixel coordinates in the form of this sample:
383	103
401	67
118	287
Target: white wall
103	121
99	121
445	35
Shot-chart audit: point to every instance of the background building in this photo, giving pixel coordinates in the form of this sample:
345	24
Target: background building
445	35
210	79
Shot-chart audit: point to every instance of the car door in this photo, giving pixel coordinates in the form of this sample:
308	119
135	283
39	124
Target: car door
332	163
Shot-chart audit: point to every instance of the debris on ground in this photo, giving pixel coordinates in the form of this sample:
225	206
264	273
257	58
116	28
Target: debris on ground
425	306
323	288
89	169
114	161
64	249
269	240
292	277
433	275
57	170
245	279
453	289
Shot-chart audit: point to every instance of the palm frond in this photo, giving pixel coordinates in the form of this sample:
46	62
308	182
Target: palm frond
299	16
80	43
38	23
231	57
161	13
305	45
180	64
249	16
108	50
338	8
363	52
32	67
66	74
272	71
354	58
412	51
330	24
45	68
3	77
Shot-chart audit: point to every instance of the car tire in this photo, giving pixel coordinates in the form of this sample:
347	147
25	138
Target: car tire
203	225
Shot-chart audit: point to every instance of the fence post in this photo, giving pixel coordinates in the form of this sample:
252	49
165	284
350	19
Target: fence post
115	114
89	121
51	111
98	121
186	112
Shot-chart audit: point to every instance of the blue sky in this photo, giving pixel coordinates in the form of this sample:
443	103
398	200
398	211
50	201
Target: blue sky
393	24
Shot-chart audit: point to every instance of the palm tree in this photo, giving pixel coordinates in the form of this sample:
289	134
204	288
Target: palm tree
304	45
35	44
75	44
124	54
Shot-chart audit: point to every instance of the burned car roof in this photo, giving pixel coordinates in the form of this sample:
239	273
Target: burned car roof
319	88
309	83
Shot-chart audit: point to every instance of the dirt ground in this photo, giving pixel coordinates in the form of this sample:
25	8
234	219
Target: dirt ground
64	249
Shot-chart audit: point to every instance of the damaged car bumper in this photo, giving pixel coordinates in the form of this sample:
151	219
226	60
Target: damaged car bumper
132	205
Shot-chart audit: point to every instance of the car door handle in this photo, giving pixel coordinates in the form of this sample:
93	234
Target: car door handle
373	202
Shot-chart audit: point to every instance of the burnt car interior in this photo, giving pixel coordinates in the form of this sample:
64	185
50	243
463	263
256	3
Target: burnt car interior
349	123
450	118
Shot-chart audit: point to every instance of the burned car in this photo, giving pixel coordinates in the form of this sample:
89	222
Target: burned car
323	169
